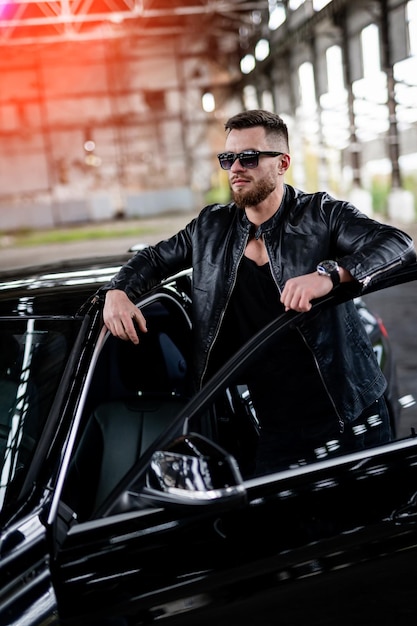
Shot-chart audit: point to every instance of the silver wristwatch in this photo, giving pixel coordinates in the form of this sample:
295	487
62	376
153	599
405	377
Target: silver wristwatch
331	269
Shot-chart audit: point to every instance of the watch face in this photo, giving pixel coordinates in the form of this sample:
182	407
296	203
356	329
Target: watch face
327	266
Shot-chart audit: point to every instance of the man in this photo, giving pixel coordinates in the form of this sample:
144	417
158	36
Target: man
276	248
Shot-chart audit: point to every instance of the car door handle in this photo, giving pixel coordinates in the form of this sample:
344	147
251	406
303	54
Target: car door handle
406	514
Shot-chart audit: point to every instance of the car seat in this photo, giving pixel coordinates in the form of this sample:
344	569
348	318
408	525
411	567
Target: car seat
144	388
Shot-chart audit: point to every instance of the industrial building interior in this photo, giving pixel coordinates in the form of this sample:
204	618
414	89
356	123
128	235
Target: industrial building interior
116	108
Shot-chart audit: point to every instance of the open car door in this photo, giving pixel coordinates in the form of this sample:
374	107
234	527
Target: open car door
188	536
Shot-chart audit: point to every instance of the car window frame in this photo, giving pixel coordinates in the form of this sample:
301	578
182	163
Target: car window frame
51	424
103	336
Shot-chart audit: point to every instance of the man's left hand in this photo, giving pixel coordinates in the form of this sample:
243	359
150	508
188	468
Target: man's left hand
301	290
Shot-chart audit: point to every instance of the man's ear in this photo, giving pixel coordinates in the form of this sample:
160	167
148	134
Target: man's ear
285	163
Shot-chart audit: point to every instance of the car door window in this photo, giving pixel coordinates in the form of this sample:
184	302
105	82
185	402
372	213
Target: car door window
249	402
33	355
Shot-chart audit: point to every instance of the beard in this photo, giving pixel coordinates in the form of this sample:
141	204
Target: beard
252	197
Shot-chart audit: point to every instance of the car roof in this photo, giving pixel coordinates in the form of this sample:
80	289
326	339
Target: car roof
58	288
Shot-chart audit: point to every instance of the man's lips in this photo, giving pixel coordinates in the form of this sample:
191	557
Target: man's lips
238	180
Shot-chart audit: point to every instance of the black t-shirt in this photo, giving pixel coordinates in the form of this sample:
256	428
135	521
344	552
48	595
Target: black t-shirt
286	384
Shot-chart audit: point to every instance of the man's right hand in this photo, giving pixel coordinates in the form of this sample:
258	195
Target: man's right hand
120	316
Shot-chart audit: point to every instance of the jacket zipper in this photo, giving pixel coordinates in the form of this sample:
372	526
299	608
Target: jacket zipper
365	282
340	420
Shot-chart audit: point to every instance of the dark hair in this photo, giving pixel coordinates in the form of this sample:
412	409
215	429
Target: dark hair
271	122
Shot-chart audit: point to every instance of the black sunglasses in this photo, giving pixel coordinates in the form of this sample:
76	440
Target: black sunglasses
249	158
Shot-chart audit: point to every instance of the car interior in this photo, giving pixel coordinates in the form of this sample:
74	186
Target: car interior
135	393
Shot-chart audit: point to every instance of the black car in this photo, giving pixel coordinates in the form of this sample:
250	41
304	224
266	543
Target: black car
126	499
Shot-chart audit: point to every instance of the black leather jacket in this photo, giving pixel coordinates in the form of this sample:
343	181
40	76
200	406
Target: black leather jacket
306	229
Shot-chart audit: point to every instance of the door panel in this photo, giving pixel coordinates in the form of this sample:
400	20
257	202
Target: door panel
323	534
26	592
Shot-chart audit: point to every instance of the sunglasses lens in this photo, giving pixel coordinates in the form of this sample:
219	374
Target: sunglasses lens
249	160
226	161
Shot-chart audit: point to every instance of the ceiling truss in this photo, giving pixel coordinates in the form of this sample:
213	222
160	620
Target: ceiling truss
27	22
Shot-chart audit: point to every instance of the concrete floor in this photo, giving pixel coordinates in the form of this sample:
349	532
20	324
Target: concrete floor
13	256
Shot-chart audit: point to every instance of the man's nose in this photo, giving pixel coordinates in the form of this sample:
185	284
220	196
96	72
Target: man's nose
236	166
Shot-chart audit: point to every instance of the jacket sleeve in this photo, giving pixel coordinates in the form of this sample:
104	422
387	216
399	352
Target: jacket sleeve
368	249
153	264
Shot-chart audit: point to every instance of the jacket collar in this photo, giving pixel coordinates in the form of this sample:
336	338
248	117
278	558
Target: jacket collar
271	223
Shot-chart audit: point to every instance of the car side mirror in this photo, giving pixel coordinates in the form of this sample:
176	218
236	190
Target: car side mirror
193	471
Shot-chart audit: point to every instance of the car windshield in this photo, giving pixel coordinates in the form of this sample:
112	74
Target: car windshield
33	354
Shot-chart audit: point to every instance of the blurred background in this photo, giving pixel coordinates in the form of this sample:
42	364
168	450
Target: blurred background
113	110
